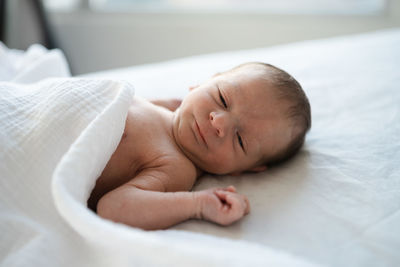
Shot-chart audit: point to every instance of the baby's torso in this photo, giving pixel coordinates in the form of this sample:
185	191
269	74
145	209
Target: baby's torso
147	138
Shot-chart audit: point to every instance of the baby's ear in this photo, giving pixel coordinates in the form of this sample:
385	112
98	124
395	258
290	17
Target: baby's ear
260	168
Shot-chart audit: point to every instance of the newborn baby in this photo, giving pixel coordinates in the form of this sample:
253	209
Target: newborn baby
244	119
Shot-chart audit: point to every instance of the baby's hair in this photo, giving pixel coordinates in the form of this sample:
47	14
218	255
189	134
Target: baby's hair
299	111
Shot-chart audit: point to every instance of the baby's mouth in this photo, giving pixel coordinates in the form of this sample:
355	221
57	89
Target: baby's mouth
201	134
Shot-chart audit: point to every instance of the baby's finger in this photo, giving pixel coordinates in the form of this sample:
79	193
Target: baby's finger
215	189
238	201
231	188
225	208
229	198
221	194
234	200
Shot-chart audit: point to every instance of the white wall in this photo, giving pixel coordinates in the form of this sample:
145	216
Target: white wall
97	41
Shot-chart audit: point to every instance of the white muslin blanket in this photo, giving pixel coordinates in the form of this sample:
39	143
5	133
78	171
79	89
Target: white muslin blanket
39	123
32	65
56	136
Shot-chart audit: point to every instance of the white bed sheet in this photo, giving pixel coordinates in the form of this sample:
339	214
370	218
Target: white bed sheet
337	202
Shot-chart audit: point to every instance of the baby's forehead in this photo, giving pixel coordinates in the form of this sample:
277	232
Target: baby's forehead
250	79
255	92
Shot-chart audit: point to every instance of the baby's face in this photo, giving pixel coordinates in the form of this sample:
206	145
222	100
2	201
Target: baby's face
228	123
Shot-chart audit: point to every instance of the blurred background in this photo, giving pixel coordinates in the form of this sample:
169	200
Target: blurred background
104	34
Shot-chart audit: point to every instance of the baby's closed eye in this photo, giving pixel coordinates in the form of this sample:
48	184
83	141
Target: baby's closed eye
221	97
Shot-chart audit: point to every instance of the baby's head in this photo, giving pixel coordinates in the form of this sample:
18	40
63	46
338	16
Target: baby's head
244	119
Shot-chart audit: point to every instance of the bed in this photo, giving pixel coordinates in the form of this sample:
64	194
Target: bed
336	203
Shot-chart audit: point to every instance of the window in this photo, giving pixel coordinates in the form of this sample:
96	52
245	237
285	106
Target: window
309	7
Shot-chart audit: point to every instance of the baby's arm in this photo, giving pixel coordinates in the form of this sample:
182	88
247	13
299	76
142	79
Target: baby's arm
146	209
143	203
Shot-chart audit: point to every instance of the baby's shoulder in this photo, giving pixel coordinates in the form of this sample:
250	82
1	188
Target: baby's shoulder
167	174
149	133
179	172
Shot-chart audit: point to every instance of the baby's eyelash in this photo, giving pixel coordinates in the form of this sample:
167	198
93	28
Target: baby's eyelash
222	99
240	140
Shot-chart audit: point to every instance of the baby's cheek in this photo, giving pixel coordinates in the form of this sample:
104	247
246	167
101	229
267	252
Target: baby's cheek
225	163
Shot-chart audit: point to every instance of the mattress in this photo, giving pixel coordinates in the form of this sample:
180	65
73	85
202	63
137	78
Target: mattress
337	202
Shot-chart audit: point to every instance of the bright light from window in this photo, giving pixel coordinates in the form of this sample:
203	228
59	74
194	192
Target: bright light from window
61	4
318	7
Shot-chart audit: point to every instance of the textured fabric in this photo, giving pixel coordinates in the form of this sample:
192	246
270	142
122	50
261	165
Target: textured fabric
38	124
33	65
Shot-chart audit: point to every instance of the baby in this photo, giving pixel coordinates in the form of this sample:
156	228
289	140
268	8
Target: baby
244	119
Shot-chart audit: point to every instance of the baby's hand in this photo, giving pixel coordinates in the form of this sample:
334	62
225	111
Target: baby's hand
222	205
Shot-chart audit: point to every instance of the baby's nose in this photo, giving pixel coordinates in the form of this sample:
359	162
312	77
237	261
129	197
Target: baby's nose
220	123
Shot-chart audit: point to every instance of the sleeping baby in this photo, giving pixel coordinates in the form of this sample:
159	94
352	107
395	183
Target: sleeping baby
245	119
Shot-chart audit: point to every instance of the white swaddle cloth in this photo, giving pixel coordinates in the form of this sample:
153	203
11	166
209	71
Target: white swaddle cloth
38	124
35	64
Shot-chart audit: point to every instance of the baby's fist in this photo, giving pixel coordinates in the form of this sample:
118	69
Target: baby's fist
222	205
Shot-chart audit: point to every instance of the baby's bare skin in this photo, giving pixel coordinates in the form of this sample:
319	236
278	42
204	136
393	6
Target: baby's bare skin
147	164
146	144
225	126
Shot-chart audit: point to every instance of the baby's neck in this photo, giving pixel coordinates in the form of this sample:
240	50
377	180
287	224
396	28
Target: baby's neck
170	119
